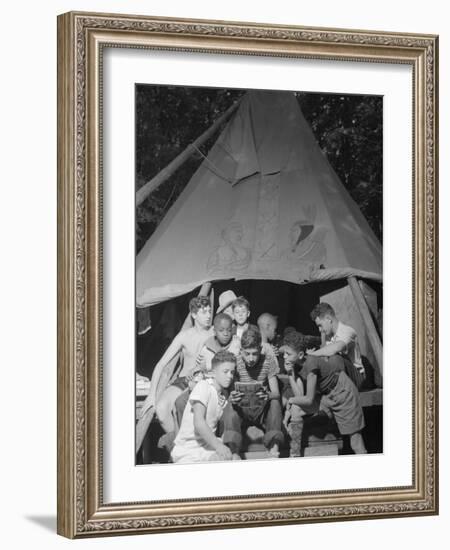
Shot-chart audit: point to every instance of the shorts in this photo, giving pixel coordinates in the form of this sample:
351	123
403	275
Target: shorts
344	405
183	455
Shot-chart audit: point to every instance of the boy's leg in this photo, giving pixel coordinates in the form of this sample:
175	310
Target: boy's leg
344	404
180	404
357	444
231	424
295	430
164	407
272	425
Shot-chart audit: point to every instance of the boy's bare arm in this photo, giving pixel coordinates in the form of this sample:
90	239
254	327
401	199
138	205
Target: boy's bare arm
296	385
274	388
308	399
328	350
204	432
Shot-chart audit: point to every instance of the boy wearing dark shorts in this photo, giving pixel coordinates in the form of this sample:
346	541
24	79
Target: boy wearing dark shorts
339	397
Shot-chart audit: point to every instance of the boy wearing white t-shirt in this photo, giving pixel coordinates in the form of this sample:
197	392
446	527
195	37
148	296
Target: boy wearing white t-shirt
196	440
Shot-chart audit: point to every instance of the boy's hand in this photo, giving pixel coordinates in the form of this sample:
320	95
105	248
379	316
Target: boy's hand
223	452
236	397
310	351
262	394
289	367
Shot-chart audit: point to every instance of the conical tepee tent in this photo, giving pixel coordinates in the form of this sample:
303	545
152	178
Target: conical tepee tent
264	204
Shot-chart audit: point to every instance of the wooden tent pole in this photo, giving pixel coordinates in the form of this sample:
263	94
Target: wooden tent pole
372	333
149	408
166	172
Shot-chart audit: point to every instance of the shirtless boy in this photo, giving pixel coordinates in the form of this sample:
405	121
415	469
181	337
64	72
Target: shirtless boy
189	342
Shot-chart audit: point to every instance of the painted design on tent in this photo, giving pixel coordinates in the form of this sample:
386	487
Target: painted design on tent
231	253
267	220
307	250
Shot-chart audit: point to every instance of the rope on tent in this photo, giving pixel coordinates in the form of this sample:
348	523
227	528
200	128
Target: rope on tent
211	165
166	172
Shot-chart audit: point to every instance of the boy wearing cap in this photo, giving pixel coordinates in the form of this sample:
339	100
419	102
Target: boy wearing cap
226	300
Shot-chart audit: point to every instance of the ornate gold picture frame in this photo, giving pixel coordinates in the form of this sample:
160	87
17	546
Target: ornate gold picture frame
82	40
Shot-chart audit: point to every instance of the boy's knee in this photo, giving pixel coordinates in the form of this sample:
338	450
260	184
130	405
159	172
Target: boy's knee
163	408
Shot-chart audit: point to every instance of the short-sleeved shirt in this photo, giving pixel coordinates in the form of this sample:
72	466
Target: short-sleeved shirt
348	336
204	392
266	367
327	372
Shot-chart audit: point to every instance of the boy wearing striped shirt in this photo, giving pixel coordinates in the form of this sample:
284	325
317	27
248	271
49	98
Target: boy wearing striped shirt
256	368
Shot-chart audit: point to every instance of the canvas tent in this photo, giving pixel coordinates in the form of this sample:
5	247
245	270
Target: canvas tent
266	206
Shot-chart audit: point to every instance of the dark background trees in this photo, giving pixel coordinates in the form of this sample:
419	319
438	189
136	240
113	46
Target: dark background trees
348	128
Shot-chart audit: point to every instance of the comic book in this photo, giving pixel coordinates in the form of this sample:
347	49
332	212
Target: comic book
251	404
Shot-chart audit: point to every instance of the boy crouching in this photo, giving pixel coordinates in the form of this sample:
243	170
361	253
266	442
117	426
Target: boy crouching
294	348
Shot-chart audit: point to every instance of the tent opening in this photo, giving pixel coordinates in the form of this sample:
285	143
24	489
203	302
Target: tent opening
290	303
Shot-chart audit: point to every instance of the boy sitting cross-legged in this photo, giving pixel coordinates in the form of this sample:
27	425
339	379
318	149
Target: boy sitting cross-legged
197	441
256	368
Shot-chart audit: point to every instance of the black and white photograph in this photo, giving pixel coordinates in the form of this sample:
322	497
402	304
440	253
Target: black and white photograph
259	290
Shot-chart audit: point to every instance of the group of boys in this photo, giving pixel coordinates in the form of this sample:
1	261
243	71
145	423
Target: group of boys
230	380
